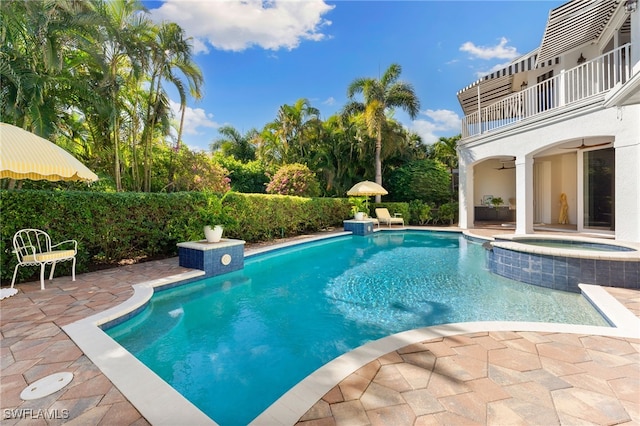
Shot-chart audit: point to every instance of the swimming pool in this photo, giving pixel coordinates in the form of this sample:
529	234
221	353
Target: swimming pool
243	339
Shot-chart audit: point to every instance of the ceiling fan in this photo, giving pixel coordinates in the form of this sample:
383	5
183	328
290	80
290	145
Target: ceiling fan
583	146
503	167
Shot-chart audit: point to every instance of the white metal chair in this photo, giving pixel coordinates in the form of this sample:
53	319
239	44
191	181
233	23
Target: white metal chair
33	248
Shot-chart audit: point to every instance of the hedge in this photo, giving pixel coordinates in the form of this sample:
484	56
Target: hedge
111	227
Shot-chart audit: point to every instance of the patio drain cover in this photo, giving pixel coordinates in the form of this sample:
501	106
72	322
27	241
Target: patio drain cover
46	386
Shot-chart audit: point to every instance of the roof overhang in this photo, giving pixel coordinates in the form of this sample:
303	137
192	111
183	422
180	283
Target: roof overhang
575	24
495	86
569	26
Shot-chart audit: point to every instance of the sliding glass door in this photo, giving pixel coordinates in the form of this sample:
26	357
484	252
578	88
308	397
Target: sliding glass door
599	189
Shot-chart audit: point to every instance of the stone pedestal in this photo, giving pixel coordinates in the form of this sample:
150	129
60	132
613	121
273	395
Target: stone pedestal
359	227
219	258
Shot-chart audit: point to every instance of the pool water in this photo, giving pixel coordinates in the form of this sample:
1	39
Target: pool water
235	343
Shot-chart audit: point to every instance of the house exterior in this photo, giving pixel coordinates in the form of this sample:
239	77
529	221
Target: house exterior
556	133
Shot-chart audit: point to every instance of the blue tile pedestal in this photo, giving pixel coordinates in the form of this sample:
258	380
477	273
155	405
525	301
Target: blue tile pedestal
219	258
359	227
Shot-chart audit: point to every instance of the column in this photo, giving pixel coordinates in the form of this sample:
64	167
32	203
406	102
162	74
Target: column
465	195
524	195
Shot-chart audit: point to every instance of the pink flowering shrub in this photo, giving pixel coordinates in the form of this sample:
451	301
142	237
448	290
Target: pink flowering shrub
294	179
197	171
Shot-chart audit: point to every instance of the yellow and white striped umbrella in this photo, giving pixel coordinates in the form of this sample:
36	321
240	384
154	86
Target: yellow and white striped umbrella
366	188
24	155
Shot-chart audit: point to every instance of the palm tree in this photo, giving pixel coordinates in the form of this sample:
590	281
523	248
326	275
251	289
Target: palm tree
114	57
170	52
35	45
379	97
445	150
236	145
292	123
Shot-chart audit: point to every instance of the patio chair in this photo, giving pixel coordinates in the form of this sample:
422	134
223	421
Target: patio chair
384	216
33	248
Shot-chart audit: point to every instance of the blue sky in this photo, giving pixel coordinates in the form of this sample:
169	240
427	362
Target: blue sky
258	55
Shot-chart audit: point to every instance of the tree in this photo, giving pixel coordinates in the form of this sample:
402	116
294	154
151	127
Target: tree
445	151
426	180
197	171
35	46
235	145
115	57
170	52
336	159
294	179
379	97
285	140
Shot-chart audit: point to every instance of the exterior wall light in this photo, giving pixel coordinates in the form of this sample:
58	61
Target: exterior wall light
630	6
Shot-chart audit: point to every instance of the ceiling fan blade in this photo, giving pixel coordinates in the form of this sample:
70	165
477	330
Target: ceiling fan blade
583	146
597	144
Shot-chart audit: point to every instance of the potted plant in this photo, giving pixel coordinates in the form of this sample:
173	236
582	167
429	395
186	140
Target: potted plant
496	201
358	207
213	235
214	211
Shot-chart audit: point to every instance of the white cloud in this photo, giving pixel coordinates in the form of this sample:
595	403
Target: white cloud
499	51
194	119
329	101
438	123
238	25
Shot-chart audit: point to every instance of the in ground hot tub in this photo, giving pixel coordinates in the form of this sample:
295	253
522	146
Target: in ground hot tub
561	262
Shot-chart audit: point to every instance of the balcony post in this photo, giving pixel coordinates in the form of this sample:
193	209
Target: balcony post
479	112
562	93
635	43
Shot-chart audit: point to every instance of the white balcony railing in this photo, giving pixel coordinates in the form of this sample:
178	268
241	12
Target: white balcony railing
570	86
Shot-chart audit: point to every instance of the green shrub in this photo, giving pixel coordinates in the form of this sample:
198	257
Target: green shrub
446	213
111	227
420	212
427	180
248	177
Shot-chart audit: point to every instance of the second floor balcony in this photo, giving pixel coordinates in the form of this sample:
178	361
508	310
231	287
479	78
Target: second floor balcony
569	87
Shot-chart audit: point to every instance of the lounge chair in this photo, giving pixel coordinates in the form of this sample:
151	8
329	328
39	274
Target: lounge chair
33	248
384	216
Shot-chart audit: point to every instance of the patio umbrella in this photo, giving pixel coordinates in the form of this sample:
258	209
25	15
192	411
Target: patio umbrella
366	188
24	155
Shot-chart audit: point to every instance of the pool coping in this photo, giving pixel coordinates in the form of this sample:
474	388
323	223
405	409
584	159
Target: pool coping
154	398
512	242
161	404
